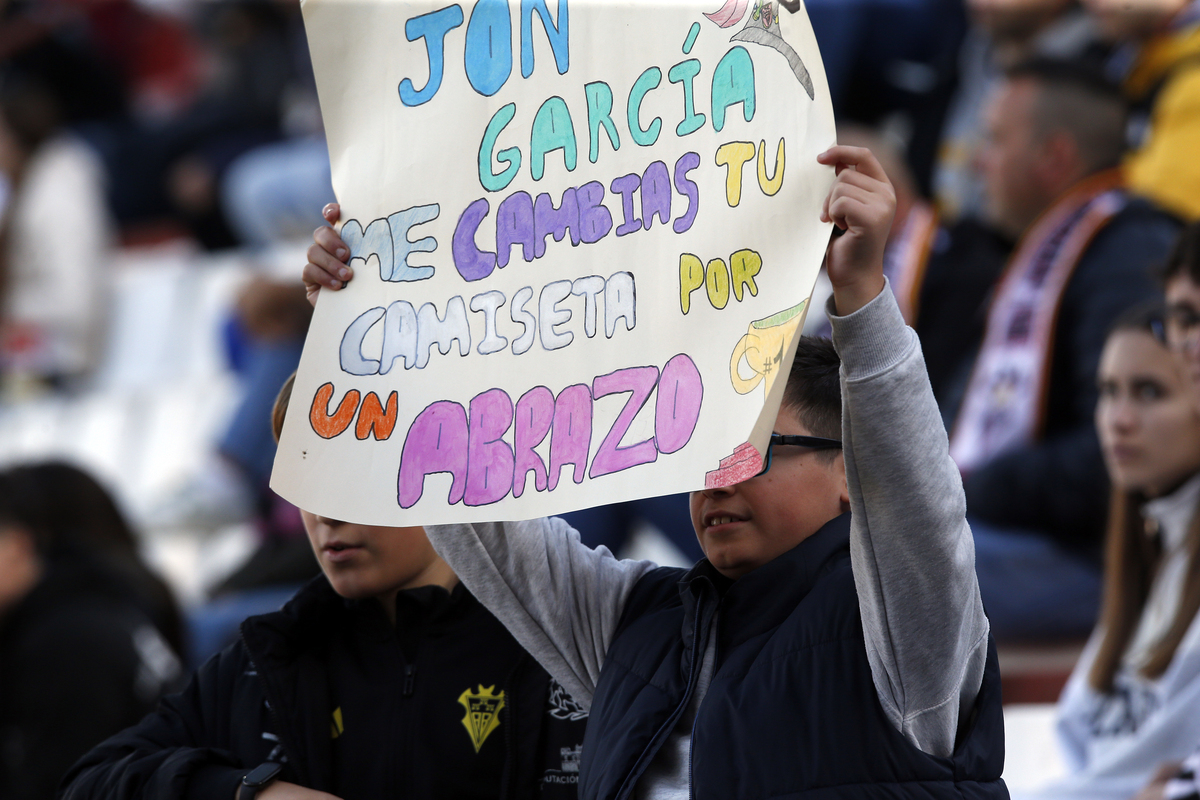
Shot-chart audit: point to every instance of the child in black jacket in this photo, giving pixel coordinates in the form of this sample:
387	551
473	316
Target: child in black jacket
383	677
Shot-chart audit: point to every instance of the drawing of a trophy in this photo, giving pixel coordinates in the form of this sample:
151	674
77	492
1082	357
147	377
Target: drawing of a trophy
763	347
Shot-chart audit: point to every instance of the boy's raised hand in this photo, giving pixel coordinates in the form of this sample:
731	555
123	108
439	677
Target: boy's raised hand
327	257
861	204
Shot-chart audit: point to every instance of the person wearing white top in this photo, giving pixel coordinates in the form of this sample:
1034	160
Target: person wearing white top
1133	700
57	241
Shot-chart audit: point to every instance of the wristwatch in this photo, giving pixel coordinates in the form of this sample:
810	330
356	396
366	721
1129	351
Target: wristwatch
258	779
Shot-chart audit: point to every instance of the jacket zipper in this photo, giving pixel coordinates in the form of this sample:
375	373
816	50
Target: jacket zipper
692	738
668	726
410	673
404	730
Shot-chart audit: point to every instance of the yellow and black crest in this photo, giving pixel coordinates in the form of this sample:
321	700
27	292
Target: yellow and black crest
337	728
483	713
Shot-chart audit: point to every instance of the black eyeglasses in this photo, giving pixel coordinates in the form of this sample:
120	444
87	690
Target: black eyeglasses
811	442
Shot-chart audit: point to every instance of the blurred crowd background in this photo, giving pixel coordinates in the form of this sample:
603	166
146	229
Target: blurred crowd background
162	167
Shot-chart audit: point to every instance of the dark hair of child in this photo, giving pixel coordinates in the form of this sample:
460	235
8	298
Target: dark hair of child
814	389
279	410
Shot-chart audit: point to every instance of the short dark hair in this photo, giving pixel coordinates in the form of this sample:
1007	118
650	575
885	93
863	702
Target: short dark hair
279	410
814	389
1078	98
1184	259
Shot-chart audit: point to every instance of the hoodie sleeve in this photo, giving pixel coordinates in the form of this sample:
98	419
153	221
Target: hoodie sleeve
911	548
559	598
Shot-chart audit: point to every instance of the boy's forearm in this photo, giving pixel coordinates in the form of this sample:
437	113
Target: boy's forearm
912	552
560	599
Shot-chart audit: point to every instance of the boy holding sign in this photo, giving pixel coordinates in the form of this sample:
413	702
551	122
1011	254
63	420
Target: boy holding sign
833	637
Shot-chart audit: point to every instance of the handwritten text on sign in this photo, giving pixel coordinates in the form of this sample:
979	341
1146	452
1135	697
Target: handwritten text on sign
611	293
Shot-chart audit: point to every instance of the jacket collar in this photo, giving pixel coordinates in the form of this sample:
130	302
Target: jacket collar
763	598
279	636
317	611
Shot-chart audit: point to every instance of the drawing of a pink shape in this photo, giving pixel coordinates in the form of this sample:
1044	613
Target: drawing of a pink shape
729	14
744	464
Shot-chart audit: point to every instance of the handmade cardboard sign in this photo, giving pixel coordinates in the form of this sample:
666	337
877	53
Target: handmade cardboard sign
584	234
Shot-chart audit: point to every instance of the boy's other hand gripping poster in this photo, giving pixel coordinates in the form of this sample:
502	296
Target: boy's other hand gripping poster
584	236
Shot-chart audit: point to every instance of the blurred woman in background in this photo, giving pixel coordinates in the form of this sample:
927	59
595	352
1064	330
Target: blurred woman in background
1131	702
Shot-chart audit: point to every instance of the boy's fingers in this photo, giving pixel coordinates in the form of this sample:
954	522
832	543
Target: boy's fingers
838	207
842	209
331	213
322	261
316	276
853	177
862	159
857	212
328	239
865	196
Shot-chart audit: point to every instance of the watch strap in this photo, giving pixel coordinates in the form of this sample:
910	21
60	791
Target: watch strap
258	779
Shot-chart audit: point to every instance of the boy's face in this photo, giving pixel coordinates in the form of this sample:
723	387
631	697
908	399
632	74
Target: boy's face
1183	323
742	527
363	561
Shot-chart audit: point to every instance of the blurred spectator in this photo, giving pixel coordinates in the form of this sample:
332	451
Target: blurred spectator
275	192
1181	276
891	64
1159	65
264	338
964	265
1023	436
942	276
1002	33
1131	701
80	654
56	238
221	92
67	503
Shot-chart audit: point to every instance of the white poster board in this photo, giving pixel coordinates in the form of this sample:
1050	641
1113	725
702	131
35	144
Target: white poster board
584	235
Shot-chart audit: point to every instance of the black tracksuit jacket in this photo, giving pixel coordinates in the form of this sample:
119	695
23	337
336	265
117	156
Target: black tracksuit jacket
444	705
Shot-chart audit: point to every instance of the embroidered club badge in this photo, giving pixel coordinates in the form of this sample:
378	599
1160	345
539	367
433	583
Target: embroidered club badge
483	713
